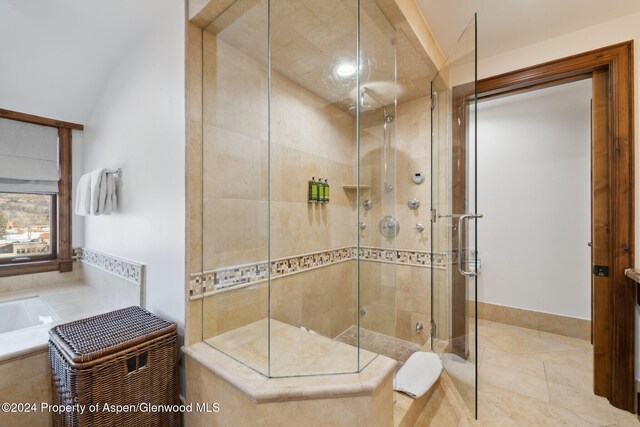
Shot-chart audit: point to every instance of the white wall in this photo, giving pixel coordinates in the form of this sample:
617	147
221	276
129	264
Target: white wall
534	192
37	78
616	31
138	124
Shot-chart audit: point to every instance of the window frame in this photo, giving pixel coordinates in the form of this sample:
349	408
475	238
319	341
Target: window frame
62	259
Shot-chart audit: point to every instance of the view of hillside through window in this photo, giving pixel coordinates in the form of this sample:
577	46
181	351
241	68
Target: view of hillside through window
25	225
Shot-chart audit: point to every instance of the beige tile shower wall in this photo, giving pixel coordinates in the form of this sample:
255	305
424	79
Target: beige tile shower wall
377	280
413	154
443	199
234	156
441	294
413	303
308	138
378	297
227	311
372	179
193	328
397	297
323	300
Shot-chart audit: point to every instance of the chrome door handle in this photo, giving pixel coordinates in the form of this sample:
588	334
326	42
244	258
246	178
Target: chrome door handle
461	241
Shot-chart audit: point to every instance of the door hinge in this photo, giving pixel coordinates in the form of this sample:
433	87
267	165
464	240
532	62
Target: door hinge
434	100
433	330
434	215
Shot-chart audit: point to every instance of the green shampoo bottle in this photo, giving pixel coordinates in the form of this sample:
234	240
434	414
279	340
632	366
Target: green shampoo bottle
313	190
326	190
320	191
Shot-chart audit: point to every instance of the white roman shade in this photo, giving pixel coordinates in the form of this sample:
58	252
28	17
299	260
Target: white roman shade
28	158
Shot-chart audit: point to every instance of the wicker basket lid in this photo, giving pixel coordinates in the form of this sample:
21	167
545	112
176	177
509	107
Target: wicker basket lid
88	339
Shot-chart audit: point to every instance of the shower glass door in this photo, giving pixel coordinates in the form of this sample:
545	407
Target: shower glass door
454	216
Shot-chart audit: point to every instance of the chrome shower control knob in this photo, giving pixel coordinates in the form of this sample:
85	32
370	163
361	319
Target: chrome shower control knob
413	204
419	227
362	225
389	227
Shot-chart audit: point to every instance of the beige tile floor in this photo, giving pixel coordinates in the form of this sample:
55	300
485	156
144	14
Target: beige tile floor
526	378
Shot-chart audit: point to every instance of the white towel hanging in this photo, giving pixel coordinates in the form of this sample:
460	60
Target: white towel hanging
83	196
96	193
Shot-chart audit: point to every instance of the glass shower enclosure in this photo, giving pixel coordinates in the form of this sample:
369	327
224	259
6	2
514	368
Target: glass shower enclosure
298	100
318	249
454	239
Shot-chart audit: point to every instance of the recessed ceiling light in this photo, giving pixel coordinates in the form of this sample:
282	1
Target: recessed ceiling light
346	69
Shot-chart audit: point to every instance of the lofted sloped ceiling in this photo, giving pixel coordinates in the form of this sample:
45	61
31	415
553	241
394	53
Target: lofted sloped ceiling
55	55
310	40
504	25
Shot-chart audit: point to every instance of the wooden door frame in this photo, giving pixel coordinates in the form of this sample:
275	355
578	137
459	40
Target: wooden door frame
617	62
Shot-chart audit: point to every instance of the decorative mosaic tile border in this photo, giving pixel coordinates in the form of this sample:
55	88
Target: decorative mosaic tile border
249	274
222	278
404	256
120	267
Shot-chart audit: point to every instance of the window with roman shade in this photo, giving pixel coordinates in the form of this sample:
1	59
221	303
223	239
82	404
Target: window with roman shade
35	193
28	158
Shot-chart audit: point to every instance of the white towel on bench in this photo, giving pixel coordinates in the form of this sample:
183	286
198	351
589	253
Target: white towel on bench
418	374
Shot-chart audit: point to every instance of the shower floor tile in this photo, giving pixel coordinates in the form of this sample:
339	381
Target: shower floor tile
293	351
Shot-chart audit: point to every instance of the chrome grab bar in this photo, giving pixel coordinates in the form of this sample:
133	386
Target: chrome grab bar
450	215
461	243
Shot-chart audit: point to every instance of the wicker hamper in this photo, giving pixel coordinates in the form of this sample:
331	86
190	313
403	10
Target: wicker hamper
126	357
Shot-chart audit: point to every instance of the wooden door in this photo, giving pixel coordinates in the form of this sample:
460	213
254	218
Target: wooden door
601	249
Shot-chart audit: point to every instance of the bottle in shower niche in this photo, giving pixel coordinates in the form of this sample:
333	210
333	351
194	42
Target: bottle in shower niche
326	190
320	191
313	190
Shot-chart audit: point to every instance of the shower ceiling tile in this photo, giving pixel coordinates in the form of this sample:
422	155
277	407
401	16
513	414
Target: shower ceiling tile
328	41
326	9
295	14
282	34
309	38
344	25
